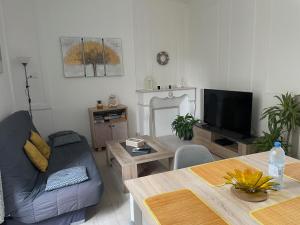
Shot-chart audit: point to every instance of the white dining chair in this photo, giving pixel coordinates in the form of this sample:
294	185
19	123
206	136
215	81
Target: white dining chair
191	155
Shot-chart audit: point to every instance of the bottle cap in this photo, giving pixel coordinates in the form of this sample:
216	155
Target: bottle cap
277	144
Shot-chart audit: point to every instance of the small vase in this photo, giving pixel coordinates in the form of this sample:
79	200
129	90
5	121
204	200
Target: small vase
250	197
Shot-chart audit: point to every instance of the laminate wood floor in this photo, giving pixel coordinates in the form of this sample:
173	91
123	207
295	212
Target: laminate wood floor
113	208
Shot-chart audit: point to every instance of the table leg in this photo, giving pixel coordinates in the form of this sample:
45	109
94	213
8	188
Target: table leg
108	157
135	212
171	163
128	172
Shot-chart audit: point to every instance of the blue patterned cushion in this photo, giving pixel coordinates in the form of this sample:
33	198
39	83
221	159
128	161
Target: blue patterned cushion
66	177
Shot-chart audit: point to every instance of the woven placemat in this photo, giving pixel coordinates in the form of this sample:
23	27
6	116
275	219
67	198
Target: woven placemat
181	207
283	213
292	171
214	172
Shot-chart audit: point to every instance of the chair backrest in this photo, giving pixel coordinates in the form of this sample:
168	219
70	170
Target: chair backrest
191	155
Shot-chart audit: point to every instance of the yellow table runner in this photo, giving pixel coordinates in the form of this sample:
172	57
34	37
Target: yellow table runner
292	171
283	213
182	207
214	172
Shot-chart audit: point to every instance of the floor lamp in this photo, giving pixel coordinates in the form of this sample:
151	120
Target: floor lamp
24	61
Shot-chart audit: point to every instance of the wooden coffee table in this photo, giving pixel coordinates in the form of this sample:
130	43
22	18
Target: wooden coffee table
127	164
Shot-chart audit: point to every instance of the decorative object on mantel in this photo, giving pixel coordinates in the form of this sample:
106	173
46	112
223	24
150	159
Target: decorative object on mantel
149	83
1	62
92	57
283	119
163	58
24	61
183	126
250	185
182	82
113	101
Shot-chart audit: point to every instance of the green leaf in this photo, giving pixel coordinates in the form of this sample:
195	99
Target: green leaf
183	126
283	119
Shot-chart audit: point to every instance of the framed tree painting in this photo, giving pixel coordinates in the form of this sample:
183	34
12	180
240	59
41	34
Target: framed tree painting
113	56
92	57
72	51
93	54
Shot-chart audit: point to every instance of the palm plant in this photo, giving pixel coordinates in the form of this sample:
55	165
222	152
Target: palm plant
283	119
183	126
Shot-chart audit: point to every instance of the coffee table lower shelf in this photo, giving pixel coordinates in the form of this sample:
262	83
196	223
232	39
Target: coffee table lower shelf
130	167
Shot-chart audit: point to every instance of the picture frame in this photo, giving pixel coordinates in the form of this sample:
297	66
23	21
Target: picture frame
92	57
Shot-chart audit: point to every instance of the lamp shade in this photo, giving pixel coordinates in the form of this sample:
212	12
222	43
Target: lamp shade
1	202
24	59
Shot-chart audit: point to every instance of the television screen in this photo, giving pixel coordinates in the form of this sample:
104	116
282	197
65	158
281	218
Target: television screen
228	110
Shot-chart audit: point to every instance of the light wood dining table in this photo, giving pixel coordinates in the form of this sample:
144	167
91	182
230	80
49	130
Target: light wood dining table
220	199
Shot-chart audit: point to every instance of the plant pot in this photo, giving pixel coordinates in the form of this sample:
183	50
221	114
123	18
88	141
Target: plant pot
187	138
250	197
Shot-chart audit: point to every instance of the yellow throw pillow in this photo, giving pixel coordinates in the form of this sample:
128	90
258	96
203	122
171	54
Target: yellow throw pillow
40	144
36	157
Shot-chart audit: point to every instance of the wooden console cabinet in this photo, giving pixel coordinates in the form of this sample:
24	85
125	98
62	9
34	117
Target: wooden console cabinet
108	124
208	138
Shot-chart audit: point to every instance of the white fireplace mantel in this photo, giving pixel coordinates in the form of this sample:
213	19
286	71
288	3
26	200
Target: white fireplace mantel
144	110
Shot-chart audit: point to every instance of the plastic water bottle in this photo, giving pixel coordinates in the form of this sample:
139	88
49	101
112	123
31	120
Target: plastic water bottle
276	164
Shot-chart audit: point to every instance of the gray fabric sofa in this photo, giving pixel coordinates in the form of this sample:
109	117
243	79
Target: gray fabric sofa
25	198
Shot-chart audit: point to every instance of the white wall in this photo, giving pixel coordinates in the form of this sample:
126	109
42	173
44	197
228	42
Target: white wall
160	25
247	45
6	97
33	28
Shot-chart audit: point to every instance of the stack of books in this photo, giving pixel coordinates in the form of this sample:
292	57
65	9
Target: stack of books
138	146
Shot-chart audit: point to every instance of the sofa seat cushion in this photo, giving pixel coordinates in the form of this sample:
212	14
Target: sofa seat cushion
42	204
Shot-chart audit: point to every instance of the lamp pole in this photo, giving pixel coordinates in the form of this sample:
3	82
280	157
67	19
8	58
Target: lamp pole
27	88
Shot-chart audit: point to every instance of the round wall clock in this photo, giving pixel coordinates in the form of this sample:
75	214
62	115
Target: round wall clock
162	58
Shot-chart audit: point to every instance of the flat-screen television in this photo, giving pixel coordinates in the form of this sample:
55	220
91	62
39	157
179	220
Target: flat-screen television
228	111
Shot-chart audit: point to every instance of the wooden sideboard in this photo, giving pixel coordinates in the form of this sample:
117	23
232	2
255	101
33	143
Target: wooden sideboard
209	139
108	124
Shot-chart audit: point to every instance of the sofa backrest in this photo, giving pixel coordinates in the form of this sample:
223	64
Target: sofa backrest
18	173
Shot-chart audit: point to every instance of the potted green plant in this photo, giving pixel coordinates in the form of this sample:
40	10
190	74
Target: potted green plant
283	119
183	126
